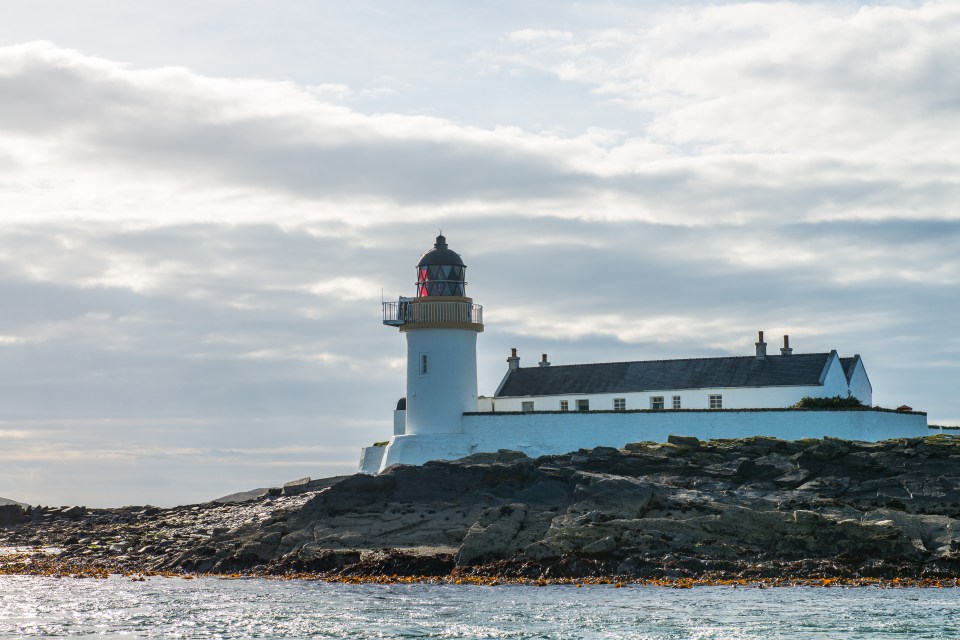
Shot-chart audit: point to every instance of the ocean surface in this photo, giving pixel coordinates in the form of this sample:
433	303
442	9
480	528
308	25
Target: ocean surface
212	608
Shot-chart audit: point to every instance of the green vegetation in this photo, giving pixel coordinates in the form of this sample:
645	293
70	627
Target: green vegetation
382	443
836	402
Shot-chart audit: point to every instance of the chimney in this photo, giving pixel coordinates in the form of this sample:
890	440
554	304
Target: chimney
761	348
543	361
786	350
513	362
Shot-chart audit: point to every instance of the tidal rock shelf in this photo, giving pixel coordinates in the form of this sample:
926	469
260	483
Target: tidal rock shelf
760	510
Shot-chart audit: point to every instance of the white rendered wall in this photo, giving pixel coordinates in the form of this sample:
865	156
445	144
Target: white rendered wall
733	398
423	448
399	422
860	384
549	433
835	380
537	434
371	459
437	401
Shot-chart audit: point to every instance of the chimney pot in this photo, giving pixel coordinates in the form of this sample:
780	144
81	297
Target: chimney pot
513	362
761	348
786	350
543	361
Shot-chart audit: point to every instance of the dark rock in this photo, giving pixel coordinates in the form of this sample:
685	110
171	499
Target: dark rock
295	487
242	496
11	515
305	485
758	507
684	441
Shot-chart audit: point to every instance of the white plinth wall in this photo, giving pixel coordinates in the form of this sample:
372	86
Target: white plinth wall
549	433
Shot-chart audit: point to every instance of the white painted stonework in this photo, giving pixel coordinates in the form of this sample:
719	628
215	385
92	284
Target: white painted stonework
438	397
537	434
371	459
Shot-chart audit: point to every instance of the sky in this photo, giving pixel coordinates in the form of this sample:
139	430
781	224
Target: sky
202	205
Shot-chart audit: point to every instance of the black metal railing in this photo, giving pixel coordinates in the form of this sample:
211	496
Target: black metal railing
454	311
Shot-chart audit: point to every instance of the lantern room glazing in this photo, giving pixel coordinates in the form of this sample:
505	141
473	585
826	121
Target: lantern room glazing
441	272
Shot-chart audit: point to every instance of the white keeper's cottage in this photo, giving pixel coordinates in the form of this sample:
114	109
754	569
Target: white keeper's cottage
550	409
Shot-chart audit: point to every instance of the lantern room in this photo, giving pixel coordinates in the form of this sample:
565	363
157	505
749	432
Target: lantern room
441	272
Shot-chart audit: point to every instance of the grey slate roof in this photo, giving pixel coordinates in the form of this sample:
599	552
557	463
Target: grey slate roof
656	375
849	364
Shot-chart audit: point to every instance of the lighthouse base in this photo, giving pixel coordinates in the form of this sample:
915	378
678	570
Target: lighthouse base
417	449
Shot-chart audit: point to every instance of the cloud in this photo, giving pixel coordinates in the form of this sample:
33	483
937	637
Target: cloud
725	136
64	111
537	35
838	111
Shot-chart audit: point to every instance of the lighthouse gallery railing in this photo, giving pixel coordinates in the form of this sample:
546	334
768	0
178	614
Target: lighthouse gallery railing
406	312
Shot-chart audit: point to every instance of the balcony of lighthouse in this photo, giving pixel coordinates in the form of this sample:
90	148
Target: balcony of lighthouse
434	312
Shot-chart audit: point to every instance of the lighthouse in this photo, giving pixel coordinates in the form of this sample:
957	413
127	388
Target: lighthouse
616	402
441	325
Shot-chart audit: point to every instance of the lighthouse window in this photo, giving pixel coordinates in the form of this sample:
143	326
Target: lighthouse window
527	406
440	280
583	405
619	404
656	402
424	364
564	405
716	401
676	402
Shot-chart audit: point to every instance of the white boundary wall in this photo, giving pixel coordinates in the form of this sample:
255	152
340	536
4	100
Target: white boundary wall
546	433
371	458
733	398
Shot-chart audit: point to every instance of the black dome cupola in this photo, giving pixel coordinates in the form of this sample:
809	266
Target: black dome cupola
441	272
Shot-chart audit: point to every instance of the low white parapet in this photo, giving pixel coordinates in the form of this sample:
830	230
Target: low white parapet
549	433
371	459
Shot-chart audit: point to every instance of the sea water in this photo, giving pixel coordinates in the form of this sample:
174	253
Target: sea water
216	608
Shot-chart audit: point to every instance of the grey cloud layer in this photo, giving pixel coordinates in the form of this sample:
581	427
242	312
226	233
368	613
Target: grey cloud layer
113	125
267	134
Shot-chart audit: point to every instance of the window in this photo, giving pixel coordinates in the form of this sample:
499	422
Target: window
619	404
440	280
527	406
564	405
716	401
656	402
676	402
424	364
583	405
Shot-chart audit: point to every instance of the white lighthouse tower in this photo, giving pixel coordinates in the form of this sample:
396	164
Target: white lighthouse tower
441	325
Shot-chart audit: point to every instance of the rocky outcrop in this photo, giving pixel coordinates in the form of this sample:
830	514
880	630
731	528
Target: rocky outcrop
11	514
756	507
